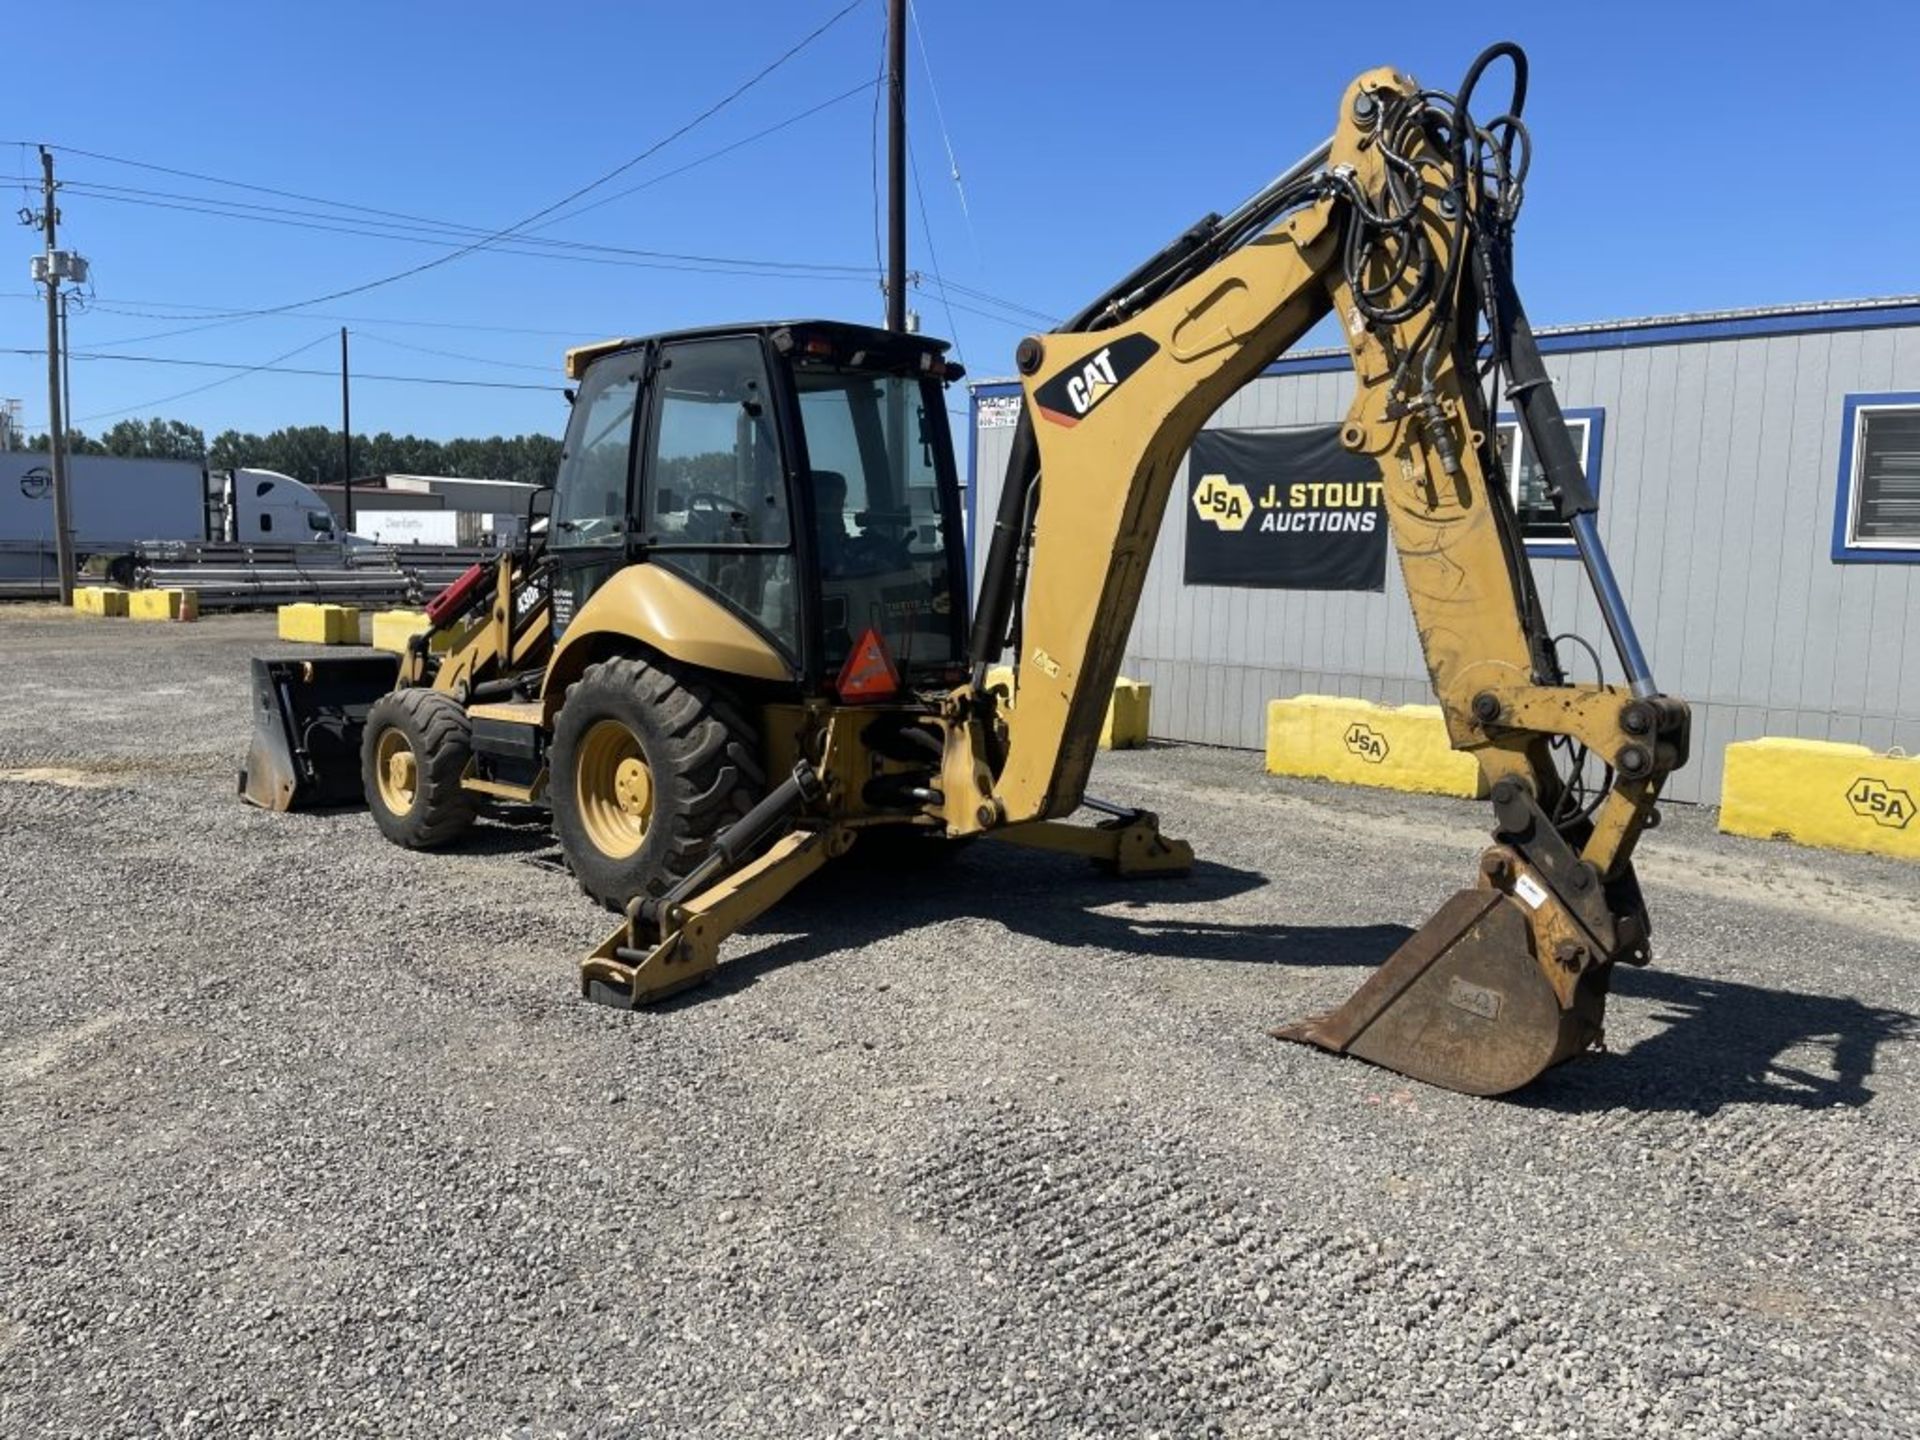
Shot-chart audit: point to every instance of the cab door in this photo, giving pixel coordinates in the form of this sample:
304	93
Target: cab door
715	505
590	533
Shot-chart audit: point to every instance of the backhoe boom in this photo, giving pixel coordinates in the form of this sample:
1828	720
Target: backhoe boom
1402	233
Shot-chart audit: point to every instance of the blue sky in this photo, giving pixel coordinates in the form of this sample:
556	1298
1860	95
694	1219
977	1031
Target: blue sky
1688	157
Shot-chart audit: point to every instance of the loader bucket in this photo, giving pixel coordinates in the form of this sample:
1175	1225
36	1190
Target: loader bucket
1463	1004
307	720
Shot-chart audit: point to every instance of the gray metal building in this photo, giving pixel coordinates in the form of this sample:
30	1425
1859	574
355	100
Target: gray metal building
1759	485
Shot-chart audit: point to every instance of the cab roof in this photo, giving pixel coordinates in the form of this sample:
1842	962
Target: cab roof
844	335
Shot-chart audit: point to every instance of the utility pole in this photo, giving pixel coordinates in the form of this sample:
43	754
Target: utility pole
66	362
897	165
57	422
346	431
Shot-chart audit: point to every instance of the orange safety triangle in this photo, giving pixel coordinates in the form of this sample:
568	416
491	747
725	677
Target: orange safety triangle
869	673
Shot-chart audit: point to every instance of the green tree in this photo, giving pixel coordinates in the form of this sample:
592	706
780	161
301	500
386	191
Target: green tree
312	452
156	439
78	443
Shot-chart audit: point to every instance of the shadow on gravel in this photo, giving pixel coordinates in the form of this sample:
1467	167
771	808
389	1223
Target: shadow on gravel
1058	899
1722	1046
508	835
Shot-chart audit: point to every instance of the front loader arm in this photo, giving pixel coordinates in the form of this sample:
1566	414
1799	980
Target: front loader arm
1404	239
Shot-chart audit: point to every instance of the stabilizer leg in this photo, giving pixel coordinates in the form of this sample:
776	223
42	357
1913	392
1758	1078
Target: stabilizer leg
644	961
1129	842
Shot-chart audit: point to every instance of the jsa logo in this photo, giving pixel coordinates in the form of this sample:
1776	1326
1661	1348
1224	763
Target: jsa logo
1096	377
1222	502
1880	802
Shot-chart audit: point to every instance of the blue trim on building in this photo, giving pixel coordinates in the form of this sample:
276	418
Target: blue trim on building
1576	340
1666	332
1845	553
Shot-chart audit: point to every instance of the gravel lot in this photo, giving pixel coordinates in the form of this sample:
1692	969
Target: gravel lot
303	1134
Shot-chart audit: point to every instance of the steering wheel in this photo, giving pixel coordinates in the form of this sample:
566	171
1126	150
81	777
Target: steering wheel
715	513
872	554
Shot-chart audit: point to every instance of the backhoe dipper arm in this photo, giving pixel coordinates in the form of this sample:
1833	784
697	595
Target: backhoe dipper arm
1400	226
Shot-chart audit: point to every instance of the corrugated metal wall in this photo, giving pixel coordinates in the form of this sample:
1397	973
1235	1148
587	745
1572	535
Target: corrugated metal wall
1718	475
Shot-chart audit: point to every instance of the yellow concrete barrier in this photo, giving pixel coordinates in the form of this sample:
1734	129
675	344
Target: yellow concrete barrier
99	600
164	605
1128	713
1396	747
320	624
392	629
1814	792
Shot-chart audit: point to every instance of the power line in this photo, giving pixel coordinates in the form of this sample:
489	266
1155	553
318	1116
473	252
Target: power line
873	157
157	313
711	155
402	215
265	214
571	196
198	389
452	354
940	116
987	315
440	231
273	367
926	229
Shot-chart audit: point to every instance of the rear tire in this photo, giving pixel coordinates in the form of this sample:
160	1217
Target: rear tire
412	756
647	765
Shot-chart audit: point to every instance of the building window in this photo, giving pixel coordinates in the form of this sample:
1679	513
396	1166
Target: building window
1546	533
1877	505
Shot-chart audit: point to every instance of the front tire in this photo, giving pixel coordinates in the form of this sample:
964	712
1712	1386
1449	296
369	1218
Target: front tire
413	754
646	766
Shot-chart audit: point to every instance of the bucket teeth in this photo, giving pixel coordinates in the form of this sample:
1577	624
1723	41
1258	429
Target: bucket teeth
1463	1004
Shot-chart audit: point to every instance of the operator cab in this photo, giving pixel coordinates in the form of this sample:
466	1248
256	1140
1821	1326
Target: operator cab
800	473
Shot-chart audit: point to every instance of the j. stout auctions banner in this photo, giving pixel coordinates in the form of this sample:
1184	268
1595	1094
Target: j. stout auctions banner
1284	510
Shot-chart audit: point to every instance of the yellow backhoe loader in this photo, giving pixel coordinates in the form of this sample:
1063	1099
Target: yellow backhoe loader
742	644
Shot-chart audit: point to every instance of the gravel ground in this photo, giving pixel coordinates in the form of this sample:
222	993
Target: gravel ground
303	1134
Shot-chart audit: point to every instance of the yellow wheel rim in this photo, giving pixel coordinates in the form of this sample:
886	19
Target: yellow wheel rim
613	789
396	771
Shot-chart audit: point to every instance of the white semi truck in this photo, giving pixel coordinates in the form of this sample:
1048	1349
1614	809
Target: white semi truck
116	503
264	507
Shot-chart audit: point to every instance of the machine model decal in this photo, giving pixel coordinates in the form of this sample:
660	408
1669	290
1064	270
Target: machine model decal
1474	999
1069	397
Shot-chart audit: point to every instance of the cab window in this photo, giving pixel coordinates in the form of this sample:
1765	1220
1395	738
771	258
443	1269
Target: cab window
716	489
874	465
590	492
716	473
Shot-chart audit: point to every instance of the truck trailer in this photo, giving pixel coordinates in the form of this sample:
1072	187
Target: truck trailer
118	502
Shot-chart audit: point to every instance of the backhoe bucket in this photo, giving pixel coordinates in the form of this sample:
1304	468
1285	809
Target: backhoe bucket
1463	1004
307	719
